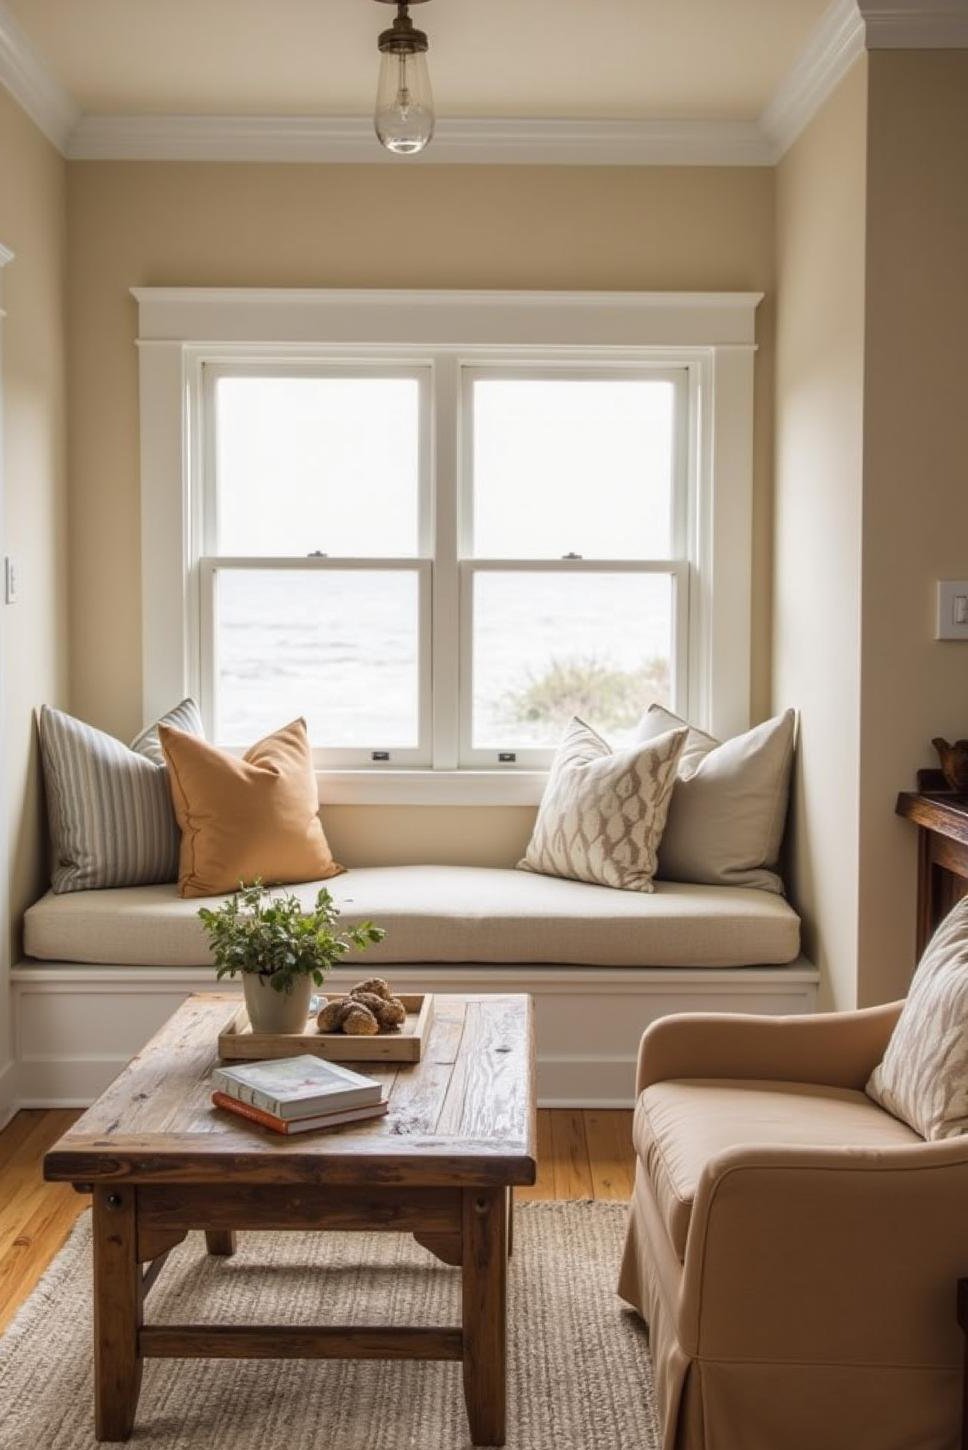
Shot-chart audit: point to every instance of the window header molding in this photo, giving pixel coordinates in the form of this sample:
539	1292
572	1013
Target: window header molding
419	318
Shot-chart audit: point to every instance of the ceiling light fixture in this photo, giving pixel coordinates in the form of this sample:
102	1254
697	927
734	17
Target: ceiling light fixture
404	115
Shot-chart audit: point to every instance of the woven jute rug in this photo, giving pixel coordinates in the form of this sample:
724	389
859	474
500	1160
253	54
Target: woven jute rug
579	1373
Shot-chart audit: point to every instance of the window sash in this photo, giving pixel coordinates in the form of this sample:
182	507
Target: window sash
445	526
209	569
591	371
677	570
418	371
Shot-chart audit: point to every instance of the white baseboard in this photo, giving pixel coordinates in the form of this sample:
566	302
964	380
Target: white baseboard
586	1080
76	1026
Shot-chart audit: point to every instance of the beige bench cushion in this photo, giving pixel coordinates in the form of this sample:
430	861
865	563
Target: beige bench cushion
450	914
680	1126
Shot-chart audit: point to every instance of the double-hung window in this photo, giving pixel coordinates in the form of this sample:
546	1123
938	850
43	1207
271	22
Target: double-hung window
334	552
440	525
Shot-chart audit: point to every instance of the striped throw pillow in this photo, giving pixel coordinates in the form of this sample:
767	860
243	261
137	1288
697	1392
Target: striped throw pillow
923	1076
109	807
185	716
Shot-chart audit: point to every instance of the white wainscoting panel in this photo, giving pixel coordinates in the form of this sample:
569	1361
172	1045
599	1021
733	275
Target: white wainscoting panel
76	1026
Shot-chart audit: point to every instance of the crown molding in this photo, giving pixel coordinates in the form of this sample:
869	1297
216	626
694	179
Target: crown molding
834	44
28	78
840	36
916	24
351	139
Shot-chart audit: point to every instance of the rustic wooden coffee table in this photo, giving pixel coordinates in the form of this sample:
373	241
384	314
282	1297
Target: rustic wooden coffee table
160	1160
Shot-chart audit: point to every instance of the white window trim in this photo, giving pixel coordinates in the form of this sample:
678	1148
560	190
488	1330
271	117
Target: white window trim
712	335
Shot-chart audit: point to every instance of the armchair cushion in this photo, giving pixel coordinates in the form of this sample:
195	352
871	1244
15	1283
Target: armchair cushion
681	1126
923	1078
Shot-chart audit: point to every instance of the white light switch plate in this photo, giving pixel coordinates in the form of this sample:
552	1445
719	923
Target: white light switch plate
952	609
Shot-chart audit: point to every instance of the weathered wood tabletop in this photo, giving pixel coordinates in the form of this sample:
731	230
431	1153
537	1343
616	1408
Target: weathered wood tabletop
465	1114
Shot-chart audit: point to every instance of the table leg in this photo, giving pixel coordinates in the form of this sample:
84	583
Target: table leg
484	1312
220	1242
118	1301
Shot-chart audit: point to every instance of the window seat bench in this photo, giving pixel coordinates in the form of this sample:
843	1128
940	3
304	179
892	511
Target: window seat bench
104	968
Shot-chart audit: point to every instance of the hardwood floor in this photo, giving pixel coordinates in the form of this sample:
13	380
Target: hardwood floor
581	1154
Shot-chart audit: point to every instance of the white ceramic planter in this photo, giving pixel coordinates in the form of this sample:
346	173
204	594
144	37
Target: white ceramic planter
272	1011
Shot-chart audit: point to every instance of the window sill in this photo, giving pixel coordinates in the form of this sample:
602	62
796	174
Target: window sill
377	787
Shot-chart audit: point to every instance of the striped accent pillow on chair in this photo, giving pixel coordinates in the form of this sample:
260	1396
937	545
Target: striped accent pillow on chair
109	807
923	1076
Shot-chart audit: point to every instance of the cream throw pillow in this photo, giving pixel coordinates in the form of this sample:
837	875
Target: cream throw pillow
729	807
602	812
246	819
923	1077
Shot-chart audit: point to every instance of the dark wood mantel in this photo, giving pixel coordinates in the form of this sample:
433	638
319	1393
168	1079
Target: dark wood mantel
942	821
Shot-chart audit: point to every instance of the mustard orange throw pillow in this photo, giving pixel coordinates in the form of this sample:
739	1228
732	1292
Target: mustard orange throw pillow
246	819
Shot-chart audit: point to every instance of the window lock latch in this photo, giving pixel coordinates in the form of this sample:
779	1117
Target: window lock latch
379	755
572	556
317	554
506	757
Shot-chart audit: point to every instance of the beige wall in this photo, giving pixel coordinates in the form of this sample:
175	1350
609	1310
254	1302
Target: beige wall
360	226
915	472
366	226
819	436
34	631
435	835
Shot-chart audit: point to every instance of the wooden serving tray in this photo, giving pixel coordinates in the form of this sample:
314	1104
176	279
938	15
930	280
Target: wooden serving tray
238	1043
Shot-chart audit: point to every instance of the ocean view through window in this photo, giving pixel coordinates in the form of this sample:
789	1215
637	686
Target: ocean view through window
324	516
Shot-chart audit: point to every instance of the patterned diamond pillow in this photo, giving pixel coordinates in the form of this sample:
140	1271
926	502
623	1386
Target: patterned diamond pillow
602	814
923	1076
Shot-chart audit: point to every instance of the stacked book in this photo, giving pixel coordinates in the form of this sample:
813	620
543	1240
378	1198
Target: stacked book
297	1094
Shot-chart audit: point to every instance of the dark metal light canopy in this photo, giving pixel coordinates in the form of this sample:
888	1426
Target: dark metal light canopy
404	115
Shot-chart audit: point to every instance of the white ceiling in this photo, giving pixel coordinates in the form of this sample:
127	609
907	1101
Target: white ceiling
603	59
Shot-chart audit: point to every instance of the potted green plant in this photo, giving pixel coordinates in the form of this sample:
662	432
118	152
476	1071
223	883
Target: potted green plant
281	951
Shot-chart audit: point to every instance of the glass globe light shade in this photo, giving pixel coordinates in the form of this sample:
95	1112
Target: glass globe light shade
404	116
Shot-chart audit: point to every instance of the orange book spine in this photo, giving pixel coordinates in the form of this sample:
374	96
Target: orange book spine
246	1110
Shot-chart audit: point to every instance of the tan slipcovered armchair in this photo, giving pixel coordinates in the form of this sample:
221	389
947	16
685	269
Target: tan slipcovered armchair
793	1248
